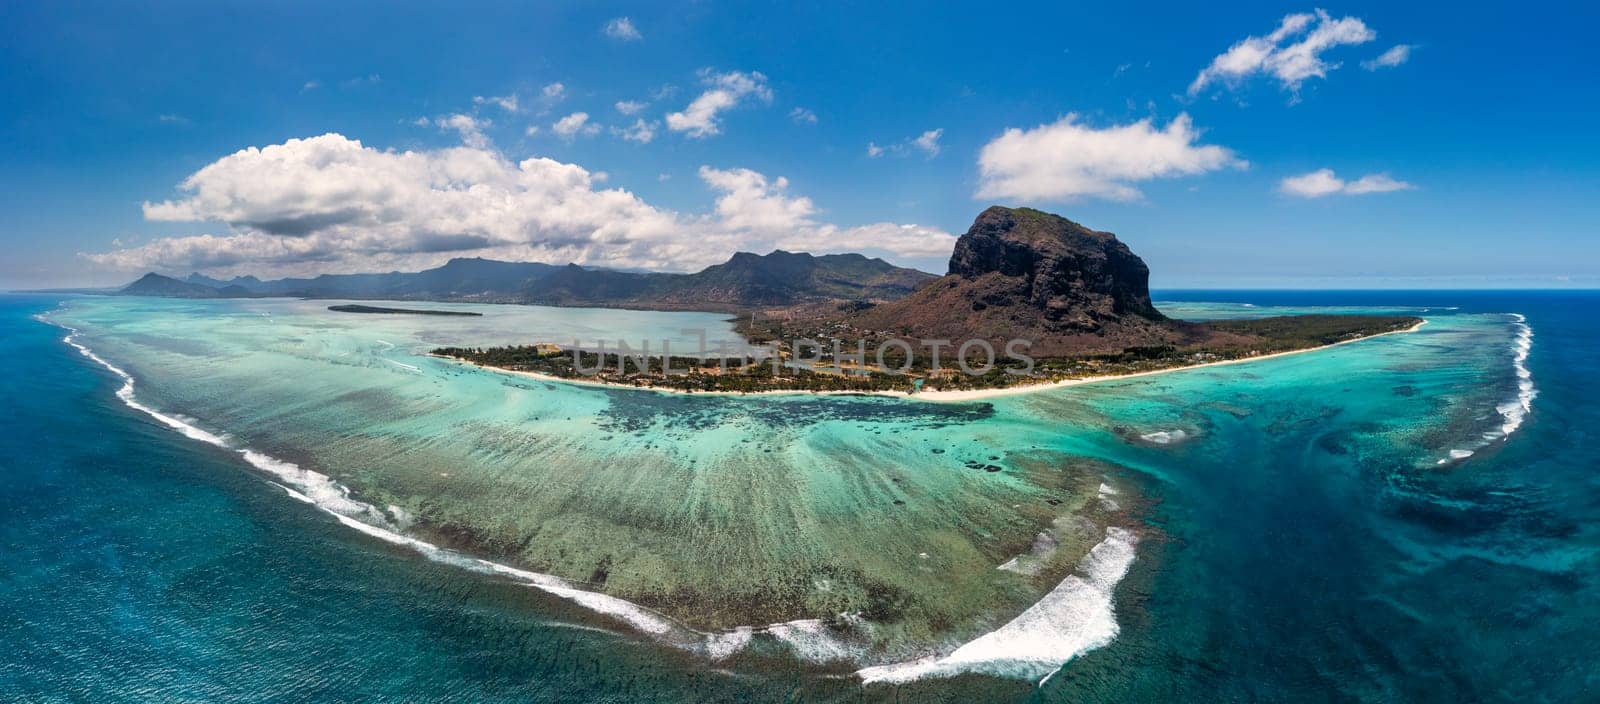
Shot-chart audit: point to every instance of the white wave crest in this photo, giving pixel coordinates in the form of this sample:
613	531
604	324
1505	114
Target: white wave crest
1165	437
813	640
1075	617
1105	494
333	498
1071	619
1516	410
407	367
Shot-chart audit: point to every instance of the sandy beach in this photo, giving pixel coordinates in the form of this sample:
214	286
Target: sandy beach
933	395
978	394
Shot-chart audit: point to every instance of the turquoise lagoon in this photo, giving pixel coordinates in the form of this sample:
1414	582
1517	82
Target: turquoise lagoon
1300	527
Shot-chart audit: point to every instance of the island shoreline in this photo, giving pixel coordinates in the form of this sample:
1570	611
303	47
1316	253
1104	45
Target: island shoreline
933	396
654	624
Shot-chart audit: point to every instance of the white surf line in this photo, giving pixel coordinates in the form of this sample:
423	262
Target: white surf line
406	366
333	498
1073	618
1165	437
808	639
389	346
1514	411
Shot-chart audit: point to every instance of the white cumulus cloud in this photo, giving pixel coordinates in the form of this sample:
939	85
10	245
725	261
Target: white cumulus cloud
1067	159
640	131
622	29
575	125
331	204
723	92
470	128
630	107
1323	182
1395	56
927	143
507	103
761	209
1290	62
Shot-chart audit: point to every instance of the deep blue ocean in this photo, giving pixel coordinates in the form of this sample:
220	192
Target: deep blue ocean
137	565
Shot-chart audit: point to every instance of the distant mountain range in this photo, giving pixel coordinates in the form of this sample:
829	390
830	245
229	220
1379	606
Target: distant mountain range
743	282
1016	274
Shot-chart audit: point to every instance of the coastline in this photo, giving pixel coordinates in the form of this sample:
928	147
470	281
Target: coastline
933	396
1008	651
977	394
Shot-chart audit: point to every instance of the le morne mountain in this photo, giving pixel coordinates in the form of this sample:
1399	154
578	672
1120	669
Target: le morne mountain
1069	291
1022	273
1080	299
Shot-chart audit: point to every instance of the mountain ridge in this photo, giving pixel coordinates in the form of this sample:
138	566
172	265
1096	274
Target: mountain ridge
1017	274
745	281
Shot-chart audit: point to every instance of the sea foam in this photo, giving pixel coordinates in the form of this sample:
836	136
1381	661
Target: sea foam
1515	410
1074	617
323	492
1165	437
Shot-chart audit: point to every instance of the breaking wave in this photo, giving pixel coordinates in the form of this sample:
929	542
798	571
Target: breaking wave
1515	410
1165	437
1076	616
333	498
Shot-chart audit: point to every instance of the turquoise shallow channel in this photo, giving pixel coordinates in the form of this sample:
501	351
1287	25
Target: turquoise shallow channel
264	499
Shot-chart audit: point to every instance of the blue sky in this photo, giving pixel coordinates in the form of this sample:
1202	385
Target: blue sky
1199	133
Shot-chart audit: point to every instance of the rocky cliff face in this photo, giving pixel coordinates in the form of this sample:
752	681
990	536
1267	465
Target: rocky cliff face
1075	276
1024	273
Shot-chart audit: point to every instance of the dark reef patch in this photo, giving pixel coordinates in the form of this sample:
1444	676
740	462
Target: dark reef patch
633	411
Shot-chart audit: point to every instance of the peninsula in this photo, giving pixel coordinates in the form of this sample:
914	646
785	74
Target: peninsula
380	310
1037	298
1045	299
